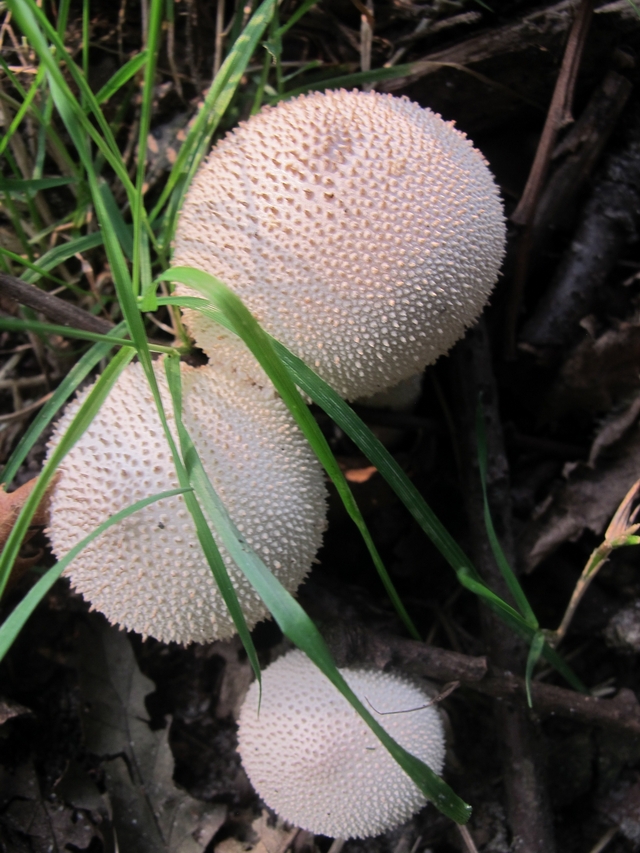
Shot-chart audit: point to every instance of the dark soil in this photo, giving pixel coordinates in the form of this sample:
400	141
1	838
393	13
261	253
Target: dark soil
557	359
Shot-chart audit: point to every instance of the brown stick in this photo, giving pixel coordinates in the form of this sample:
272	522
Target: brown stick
559	116
57	310
352	642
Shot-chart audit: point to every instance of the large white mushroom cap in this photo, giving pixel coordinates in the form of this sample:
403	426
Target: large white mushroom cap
362	230
318	765
148	573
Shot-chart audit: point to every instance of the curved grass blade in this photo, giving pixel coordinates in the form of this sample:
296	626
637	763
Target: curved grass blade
207	542
503	564
18	259
11	324
77	427
17	619
122	76
322	394
140	247
345	81
23	109
245	326
535	650
294	622
59	254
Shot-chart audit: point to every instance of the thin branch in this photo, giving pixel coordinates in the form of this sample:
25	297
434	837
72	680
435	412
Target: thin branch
57	310
559	116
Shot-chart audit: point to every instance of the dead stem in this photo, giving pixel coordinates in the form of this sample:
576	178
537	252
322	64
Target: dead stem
622	531
467	839
558	116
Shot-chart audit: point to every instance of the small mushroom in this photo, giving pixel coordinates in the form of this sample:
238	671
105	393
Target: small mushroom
313	759
362	230
148	573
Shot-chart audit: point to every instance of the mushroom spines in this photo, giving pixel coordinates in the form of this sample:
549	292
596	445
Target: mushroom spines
315	761
362	230
148	573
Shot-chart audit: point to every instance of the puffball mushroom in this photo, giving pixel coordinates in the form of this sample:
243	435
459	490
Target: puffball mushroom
363	231
313	759
148	573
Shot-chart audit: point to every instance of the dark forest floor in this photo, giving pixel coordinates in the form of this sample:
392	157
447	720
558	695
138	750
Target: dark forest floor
557	358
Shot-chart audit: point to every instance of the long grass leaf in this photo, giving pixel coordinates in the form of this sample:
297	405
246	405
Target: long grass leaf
152	43
5	253
23	109
14	325
295	17
17	619
535	650
361	435
346	81
207	541
295	623
32	185
245	326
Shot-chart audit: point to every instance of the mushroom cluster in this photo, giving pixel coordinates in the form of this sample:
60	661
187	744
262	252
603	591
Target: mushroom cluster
314	760
365	233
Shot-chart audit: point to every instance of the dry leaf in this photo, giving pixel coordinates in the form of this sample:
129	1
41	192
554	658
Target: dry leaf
598	373
150	813
47	822
269	836
9	709
622	806
586	501
11	504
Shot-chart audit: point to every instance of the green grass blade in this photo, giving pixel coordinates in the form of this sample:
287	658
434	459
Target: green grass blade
503	564
153	45
121	77
34	24
205	537
18	259
346	81
55	140
32	185
83	418
59	254
361	435
295	623
72	380
535	650
22	111
244	324
113	216
13	325
216	102
17	619
295	17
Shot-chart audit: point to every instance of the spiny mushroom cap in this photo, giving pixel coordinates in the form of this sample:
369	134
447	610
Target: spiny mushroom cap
148	573
362	231
315	761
